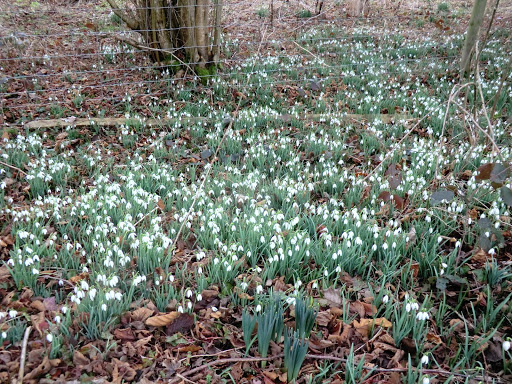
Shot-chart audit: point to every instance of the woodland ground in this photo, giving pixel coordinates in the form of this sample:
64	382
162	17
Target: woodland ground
334	168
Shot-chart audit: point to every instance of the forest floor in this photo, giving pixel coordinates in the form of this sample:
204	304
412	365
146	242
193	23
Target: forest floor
333	206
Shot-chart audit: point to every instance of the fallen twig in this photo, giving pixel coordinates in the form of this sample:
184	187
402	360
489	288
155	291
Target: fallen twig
21	372
119	121
146	215
13	167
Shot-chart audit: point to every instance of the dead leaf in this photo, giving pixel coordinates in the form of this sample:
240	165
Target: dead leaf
142	342
39	322
358	308
345	335
480	256
161	204
209	294
456	325
237	372
415	268
124	334
61	136
363	326
243	295
386	338
79	359
42	368
122	371
436	339
190	348
78	278
162	320
50	304
484	172
141	314
323	318
214	315
183	323
333	296
320	344
38	305
411	236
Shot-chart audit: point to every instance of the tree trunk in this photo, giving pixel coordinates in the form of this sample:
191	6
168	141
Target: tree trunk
176	30
216	35
356	8
475	22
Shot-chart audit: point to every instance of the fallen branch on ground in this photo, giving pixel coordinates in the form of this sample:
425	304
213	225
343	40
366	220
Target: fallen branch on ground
118	121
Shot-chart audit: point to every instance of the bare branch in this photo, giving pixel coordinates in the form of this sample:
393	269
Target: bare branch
130	21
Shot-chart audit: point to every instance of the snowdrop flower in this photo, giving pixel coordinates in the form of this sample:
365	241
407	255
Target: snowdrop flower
180	309
215	309
424	360
291	300
4	335
57	319
199	297
385	299
259	289
13	313
425	380
506	345
423	315
84	285
258	308
49	337
189	293
104	307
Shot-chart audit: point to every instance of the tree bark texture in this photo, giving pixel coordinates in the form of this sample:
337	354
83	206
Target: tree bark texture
356	8
189	29
475	22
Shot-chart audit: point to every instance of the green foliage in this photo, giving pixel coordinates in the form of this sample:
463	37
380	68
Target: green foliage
295	350
304	14
116	20
443	7
305	316
262	12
